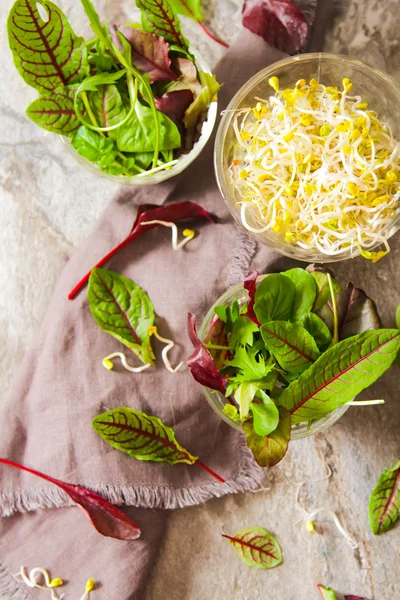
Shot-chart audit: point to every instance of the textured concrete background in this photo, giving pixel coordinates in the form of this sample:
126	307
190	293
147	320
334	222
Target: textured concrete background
48	204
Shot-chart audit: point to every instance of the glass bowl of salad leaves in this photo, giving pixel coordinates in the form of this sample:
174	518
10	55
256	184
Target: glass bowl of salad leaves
135	104
307	158
282	356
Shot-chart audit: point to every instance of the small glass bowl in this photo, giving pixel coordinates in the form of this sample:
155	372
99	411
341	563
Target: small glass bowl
376	87
183	162
217	401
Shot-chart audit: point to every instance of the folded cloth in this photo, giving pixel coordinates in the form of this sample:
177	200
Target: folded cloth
61	386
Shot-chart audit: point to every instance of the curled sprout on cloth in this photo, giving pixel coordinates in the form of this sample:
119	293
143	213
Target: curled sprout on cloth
314	166
168	347
109	365
188	234
32	580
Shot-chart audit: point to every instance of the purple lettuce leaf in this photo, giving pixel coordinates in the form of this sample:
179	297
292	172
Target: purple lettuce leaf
279	22
361	313
201	363
149	52
250	284
174	104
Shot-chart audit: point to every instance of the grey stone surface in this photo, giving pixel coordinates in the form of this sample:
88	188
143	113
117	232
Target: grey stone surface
48	204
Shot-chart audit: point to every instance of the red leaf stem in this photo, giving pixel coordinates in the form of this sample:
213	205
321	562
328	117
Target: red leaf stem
210	471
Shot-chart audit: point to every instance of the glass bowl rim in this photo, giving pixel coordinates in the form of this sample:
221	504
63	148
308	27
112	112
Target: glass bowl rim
296	433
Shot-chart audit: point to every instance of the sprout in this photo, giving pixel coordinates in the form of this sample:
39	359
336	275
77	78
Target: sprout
188	234
315	167
168	347
335	519
109	365
35	574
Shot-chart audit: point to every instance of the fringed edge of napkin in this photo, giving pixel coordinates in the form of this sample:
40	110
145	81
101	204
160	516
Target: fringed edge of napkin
244	249
9	586
247	478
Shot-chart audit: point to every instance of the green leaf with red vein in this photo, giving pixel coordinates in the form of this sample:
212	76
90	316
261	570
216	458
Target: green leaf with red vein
269	450
106	518
256	547
291	345
188	8
161	18
384	504
149	52
340	374
141	436
121	308
55	112
47	54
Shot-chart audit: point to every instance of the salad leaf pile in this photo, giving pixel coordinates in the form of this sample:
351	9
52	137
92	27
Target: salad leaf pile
131	99
298	349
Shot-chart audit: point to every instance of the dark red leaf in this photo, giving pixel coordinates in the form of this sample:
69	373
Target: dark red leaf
361	313
278	22
250	284
216	335
149	52
201	363
106	518
354	598
178	211
174	104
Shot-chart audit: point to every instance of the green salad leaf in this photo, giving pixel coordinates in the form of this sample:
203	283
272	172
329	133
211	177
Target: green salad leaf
47	54
305	292
210	87
138	133
121	308
274	298
92	145
265	414
270	449
340	374
242	333
108	107
256	547
55	112
384	504
318	329
188	8
327	593
291	345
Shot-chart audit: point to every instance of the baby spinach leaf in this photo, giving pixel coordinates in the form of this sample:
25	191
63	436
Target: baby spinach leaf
91	145
274	298
55	112
138	134
290	344
47	54
142	159
265	414
256	547
243	330
150	53
361	313
269	450
317	328
142	436
201	103
306	291
161	18
384	504
340	374
121	308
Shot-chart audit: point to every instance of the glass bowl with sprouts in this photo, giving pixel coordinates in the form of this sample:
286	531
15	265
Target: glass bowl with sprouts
307	158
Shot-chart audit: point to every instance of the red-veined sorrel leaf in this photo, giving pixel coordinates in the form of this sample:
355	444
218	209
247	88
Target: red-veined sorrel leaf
384	504
270	449
250	284
340	374
144	437
106	518
278	22
361	313
149	52
290	344
175	212
201	363
55	112
161	18
47	54
121	308
256	547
